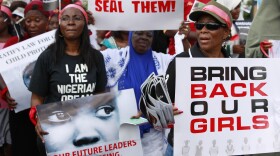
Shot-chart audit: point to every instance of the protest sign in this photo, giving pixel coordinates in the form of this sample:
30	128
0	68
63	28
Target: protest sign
24	51
231	106
93	125
243	27
137	14
155	102
17	63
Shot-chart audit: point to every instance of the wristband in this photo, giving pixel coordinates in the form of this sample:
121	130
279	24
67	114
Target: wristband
3	93
33	115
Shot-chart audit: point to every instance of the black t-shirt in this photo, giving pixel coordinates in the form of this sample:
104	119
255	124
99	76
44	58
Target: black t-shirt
70	78
171	77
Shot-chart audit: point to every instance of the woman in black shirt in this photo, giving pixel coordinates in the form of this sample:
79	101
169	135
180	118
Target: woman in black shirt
69	68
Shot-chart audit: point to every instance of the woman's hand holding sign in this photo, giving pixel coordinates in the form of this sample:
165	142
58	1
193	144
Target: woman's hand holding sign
11	102
35	101
40	132
176	111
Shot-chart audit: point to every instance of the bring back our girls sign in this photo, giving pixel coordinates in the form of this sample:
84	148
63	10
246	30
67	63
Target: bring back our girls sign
231	106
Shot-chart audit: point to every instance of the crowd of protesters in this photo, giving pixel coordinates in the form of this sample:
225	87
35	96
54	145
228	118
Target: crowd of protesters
141	53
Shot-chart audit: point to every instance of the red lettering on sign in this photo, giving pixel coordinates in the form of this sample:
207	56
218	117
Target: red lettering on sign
108	6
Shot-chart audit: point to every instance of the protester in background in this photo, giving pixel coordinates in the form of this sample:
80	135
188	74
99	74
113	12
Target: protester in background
101	35
70	52
17	8
16	4
22	131
128	68
212	31
6	32
6	28
118	40
35	23
53	20
265	26
18	15
233	46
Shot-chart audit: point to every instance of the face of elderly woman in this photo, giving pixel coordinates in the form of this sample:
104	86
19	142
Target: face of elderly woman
211	40
142	40
72	23
35	23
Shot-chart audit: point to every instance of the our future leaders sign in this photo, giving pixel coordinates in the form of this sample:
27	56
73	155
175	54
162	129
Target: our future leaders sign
137	14
98	125
231	106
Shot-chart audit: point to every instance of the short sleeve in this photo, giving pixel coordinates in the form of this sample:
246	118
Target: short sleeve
101	79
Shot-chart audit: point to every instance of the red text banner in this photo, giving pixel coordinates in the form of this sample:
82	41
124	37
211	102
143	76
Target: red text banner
137	14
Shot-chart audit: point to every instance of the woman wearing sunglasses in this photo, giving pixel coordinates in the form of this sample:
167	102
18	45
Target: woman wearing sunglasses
213	23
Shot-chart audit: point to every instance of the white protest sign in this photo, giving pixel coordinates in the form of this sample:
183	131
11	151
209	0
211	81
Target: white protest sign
137	14
24	51
93	125
231	106
17	63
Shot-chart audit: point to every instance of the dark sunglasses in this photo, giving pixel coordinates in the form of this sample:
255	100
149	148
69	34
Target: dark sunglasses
209	26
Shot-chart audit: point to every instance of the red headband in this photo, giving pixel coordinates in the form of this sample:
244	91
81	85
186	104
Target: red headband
223	15
77	7
36	5
6	10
